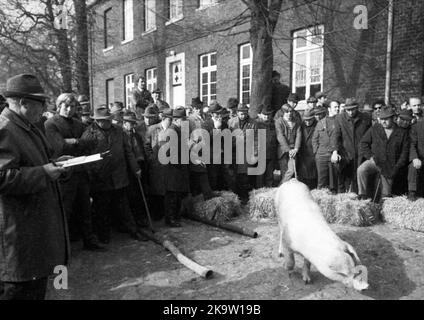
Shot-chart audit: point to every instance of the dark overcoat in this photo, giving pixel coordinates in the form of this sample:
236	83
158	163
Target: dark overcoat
307	168
33	230
417	141
389	154
283	137
111	173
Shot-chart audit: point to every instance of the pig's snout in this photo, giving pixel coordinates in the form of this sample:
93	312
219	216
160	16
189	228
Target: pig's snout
360	278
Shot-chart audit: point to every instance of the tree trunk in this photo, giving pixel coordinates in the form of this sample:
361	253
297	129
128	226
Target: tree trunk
82	47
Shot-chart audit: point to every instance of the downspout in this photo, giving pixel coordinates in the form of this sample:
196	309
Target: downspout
389	52
90	25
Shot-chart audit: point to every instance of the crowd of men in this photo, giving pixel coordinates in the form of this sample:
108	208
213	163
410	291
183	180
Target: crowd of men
375	151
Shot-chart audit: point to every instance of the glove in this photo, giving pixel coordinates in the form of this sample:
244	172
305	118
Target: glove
417	163
335	157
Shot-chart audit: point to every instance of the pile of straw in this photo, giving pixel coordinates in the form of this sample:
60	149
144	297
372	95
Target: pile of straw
220	209
342	208
404	213
261	204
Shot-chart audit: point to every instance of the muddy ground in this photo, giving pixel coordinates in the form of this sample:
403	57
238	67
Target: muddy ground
244	268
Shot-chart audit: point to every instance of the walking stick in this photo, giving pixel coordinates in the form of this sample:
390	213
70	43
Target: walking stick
140	187
376	190
294	166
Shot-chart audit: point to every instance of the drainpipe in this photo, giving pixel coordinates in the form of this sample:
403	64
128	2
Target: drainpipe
389	52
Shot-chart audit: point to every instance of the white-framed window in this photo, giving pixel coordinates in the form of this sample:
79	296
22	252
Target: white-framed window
206	3
175	11
129	87
308	61
245	76
208	76
110	91
151	79
128	17
149	15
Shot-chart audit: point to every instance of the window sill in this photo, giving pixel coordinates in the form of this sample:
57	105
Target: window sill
148	31
126	41
176	19
207	7
107	49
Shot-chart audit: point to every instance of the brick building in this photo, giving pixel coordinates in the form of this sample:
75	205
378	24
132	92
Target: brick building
192	48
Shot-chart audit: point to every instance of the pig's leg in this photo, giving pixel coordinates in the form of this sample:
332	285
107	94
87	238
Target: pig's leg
306	271
280	248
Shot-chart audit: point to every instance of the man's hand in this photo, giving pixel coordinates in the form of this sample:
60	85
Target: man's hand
64	158
335	157
417	163
200	162
53	171
292	153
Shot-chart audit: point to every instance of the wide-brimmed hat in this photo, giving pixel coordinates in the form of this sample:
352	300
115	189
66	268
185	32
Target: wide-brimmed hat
101	113
151	111
83	99
25	86
242	108
179	113
351	103
386	112
167	113
130	116
196	103
117	107
267	110
232	103
157	91
216	108
308	115
320	110
320	94
406	115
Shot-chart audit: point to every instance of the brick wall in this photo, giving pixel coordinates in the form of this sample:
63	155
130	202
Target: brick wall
354	60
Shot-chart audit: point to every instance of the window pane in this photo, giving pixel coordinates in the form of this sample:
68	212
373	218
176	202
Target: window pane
213	88
246	84
301	39
213	59
246	71
213	76
245	52
314	89
204	77
204	61
246	98
301	92
128	19
205	89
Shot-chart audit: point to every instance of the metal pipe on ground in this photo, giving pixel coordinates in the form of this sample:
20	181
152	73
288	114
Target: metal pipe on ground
226	226
192	265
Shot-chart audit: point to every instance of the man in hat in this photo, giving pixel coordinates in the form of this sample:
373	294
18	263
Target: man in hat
280	92
232	105
137	142
64	133
109	177
217	172
404	119
321	99
416	107
307	167
267	123
177	183
117	112
289	137
351	126
327	174
33	230
320	113
244	183
85	109
196	115
385	148
157	98
140	97
151	115
376	107
156	170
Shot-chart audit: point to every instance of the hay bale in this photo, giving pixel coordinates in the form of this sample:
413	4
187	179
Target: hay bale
220	209
342	208
404	213
261	204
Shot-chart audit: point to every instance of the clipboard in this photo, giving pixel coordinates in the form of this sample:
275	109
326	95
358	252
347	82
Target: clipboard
81	160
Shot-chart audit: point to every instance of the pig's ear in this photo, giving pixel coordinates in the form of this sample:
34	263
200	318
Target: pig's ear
350	251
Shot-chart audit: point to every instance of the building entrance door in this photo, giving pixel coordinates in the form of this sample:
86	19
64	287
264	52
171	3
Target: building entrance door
175	80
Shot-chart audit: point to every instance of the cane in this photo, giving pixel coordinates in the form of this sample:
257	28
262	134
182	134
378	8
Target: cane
294	167
140	187
376	190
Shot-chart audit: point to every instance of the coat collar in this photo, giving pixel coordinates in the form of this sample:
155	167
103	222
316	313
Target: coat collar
17	119
382	133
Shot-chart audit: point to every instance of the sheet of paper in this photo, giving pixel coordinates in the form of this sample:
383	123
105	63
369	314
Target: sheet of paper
81	160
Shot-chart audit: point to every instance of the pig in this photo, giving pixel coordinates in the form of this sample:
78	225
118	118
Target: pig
303	230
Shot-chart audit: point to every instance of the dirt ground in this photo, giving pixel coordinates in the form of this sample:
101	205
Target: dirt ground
244	268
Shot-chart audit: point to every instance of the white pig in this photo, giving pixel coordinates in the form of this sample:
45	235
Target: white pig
304	230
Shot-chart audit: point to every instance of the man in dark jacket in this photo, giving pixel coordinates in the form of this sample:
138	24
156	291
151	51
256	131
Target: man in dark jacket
289	137
280	92
177	183
64	133
292	101
109	177
385	146
351	126
239	126
267	124
33	230
322	148
140	97
416	156
307	169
